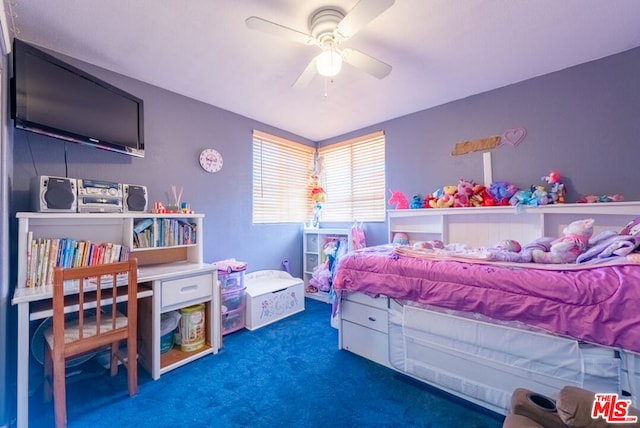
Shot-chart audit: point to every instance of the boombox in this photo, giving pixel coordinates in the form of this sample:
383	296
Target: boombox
59	194
135	198
96	196
53	194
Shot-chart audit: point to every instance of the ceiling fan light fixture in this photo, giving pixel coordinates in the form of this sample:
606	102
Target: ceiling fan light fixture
329	63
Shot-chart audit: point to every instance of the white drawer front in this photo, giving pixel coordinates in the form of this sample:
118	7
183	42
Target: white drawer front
367	316
367	343
376	302
183	290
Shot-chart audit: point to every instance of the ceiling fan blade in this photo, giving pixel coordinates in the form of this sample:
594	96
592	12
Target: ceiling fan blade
307	75
367	63
362	13
265	26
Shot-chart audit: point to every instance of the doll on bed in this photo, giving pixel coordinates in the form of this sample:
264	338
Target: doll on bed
567	248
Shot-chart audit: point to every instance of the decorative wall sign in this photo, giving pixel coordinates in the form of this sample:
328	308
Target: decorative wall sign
478	145
512	137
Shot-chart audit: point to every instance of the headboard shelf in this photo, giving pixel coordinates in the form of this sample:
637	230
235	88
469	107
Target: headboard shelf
485	226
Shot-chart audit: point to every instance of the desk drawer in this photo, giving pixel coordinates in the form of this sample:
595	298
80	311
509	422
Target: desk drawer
184	290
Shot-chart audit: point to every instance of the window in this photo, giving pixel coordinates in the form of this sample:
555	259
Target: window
354	179
281	173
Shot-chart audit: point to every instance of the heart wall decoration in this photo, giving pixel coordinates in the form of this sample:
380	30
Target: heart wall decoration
513	136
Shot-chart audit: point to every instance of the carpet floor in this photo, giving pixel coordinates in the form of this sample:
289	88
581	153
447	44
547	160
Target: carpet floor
287	374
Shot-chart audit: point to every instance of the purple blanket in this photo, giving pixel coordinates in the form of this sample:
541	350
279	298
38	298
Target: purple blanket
597	305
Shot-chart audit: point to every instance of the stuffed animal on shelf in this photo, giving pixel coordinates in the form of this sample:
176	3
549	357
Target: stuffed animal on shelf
433	198
539	193
481	197
523	197
416	202
567	248
464	192
592	199
446	200
502	191
557	191
429	201
399	199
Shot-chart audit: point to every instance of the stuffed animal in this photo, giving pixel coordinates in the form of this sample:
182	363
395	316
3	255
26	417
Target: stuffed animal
540	194
464	192
523	197
429	201
446	200
632	228
481	197
567	248
592	199
416	202
509	245
501	191
433	198
317	192
429	245
399	199
557	191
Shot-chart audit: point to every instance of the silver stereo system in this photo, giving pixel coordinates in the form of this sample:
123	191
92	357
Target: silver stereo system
135	198
53	194
61	194
96	196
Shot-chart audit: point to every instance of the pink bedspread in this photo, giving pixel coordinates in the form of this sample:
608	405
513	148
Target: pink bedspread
599	305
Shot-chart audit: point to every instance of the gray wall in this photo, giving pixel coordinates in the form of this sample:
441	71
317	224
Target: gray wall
582	121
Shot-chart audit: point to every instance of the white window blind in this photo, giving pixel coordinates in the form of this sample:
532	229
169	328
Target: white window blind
281	174
354	179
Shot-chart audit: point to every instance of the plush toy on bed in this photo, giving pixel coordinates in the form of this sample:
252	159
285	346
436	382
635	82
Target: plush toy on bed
567	248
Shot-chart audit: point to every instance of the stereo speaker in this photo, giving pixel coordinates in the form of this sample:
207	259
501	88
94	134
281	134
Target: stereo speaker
54	194
135	198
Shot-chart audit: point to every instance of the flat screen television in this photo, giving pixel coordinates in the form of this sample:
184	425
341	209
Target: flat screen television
54	98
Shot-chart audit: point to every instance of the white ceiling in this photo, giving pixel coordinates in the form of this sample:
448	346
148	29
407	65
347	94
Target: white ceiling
440	50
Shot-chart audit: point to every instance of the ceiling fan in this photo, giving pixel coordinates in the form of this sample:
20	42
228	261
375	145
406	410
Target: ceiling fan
328	28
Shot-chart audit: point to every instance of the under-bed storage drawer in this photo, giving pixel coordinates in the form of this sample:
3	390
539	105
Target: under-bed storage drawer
364	327
367	316
368	343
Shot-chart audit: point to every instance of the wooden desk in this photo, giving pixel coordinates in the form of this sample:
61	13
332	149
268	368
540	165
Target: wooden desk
34	304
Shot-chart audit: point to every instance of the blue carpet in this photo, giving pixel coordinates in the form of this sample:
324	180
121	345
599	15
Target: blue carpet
287	374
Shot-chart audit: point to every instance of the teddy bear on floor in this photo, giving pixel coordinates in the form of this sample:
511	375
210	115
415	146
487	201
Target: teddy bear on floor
567	248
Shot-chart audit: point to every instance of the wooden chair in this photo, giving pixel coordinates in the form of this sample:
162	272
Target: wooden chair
87	319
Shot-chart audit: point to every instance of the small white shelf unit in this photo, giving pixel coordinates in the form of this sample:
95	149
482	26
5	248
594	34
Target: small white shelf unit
314	240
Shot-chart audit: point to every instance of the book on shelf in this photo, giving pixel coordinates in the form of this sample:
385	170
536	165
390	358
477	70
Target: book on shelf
44	255
164	232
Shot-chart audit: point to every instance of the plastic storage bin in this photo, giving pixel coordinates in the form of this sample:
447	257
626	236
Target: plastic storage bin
231	280
233	320
233	307
232	298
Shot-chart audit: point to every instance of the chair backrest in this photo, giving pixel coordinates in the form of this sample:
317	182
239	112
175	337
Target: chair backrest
85	306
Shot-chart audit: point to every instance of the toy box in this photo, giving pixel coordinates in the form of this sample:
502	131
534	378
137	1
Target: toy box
272	295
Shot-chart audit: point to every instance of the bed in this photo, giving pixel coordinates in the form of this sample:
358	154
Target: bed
479	328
